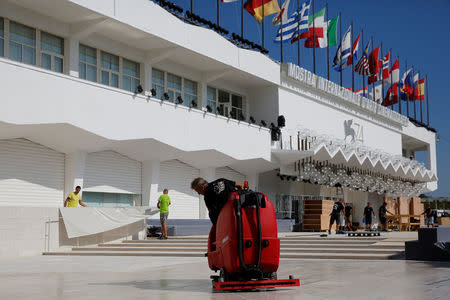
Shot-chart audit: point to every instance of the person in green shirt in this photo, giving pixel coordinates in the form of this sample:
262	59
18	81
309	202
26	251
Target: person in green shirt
74	199
163	205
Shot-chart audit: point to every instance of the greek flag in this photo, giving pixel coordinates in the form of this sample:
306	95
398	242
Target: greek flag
288	29
295	25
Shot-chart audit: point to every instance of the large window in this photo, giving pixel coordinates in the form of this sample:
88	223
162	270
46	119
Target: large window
109	69
226	104
96	199
52	52
22	43
131	75
2	38
88	63
174	86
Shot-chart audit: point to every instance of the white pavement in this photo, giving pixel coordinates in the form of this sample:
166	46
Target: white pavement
71	277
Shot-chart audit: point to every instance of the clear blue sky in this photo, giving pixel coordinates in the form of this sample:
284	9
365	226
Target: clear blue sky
415	30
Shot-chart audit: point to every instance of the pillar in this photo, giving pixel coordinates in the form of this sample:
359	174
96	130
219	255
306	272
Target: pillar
253	181
150	182
74	172
209	174
203	94
74	57
147	83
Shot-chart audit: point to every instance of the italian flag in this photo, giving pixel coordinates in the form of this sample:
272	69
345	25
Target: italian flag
255	8
317	21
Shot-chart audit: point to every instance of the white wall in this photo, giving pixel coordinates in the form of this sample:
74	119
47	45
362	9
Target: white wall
301	111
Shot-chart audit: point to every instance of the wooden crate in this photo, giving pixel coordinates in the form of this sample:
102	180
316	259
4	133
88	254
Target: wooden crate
316	215
415	206
403	209
392	205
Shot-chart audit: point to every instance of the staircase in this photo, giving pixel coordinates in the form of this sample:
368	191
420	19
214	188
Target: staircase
297	247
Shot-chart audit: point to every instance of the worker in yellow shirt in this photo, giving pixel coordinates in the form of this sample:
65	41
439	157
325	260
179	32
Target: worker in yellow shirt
74	198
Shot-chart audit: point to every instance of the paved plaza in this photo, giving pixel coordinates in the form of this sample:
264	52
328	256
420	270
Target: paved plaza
188	278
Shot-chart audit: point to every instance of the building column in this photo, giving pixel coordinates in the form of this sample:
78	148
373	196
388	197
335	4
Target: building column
203	94
74	57
253	181
209	174
74	172
150	182
147	82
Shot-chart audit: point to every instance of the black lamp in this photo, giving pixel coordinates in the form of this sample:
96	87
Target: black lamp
153	91
208	108
179	100
263	123
281	121
166	96
241	116
139	89
233	114
220	110
193	103
252	120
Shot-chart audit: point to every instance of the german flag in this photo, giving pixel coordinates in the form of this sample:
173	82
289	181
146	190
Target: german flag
255	8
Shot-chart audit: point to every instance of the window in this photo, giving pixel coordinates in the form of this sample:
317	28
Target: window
98	199
2	38
173	86
88	63
158	83
22	43
131	75
212	99
226	104
52	52
190	92
109	69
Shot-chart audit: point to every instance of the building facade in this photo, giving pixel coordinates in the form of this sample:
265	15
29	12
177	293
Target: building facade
73	114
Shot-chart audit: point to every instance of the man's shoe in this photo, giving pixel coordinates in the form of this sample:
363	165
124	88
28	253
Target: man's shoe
165	237
329	231
160	237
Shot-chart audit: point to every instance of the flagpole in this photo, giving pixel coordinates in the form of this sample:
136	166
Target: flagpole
314	41
414	96
390	75
218	13
340	38
353	58
418	82
363	72
328	45
373	82
281	30
298	31
262	23
242	18
381	75
406	92
428	101
398	87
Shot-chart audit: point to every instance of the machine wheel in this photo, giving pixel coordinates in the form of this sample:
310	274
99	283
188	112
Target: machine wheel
223	276
273	276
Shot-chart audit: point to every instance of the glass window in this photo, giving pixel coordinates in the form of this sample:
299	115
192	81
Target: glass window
224	107
96	199
2	35
110	69
173	86
52	52
236	107
88	63
212	98
190	92
22	43
131	75
158	82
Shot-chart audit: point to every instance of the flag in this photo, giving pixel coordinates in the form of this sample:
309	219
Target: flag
343	51
362	67
282	15
395	72
406	85
303	19
385	69
254	7
416	86
419	93
353	53
289	28
226	1
378	94
375	77
323	31
374	67
391	95
363	92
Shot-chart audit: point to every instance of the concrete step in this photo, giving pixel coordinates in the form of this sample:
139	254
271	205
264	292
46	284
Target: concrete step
352	256
284	246
311	241
203	250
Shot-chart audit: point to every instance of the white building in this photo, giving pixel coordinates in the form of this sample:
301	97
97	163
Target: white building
70	115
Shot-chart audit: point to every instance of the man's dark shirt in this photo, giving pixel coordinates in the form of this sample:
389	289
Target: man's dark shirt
216	196
368	211
428	212
348	211
337	207
382	211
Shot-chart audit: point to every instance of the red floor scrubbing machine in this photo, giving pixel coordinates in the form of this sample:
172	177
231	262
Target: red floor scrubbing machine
244	245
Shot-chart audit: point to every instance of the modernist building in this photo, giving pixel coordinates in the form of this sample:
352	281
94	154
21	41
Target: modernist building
72	114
